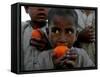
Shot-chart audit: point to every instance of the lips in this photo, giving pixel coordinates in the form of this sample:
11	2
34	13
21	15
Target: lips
41	15
61	44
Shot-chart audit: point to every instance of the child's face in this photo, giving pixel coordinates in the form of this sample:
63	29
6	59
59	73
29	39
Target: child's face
38	14
62	31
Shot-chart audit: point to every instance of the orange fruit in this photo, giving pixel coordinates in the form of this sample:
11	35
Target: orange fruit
36	34
59	51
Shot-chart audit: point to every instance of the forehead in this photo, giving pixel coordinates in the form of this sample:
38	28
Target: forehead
36	8
63	22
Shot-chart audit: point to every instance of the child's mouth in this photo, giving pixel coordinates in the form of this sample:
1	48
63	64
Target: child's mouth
61	44
41	15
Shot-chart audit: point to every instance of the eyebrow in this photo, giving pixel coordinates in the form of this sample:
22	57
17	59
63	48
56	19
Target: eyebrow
55	28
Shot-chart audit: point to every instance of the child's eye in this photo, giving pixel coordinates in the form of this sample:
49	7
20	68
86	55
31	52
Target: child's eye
57	31
69	31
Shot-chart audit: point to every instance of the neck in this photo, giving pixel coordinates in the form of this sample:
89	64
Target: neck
38	24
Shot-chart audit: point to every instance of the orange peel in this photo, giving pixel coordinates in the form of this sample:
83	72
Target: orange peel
60	51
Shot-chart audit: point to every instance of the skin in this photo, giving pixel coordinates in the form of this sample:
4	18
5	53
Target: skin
38	14
62	30
38	17
87	35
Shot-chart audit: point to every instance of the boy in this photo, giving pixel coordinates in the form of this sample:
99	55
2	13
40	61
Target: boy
62	30
86	37
32	47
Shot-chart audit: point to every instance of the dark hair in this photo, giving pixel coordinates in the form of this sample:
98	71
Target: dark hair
62	12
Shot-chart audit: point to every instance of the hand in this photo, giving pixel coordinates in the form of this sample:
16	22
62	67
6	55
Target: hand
87	35
40	43
67	61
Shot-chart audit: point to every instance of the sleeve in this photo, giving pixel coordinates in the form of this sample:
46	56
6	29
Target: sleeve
45	60
86	61
27	52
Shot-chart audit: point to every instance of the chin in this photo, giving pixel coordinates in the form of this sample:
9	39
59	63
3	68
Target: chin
41	20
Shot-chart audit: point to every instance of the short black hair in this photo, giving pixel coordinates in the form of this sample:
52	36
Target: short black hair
62	12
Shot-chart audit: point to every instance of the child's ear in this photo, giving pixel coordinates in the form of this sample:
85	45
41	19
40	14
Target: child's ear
26	8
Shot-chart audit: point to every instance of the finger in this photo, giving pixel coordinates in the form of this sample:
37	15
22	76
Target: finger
71	57
91	34
37	44
92	39
34	43
37	40
89	26
61	59
91	30
71	53
68	63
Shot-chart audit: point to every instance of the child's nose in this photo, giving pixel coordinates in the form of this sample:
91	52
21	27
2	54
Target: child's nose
63	38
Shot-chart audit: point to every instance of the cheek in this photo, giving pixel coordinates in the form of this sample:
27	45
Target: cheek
72	39
46	12
53	38
32	13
